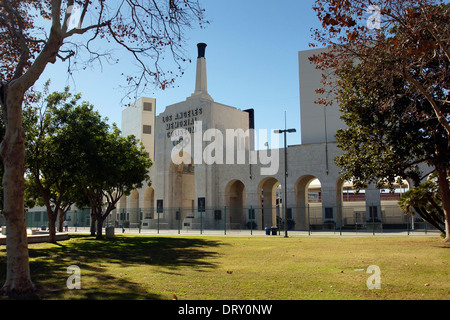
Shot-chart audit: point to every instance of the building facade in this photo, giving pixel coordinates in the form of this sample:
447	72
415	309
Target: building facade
207	173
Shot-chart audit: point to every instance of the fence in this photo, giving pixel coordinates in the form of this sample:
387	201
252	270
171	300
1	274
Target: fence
249	220
75	218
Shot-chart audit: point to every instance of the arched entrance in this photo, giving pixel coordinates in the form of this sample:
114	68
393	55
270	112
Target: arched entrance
149	203
269	201
235	202
133	209
182	185
308	200
121	210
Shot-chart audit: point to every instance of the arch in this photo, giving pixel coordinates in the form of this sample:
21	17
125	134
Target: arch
308	201
235	201
308	190
267	200
121	209
182	183
149	203
134	199
133	208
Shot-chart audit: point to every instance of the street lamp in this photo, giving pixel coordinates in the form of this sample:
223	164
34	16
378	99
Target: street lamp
285	177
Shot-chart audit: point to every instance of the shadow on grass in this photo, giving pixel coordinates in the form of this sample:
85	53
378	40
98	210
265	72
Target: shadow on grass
49	263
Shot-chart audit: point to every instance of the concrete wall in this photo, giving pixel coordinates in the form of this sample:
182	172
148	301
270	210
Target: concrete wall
135	117
315	119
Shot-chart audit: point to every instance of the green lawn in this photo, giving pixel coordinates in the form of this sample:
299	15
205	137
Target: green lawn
157	267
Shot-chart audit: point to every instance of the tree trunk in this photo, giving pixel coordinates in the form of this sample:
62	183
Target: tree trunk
52	227
444	187
18	279
99	228
425	215
12	151
61	215
102	217
93	224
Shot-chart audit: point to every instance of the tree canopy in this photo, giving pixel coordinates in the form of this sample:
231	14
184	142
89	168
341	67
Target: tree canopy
425	200
107	165
412	39
49	177
75	157
392	83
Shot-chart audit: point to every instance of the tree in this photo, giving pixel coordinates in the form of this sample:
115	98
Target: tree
384	144
144	29
50	180
124	167
426	201
105	165
392	84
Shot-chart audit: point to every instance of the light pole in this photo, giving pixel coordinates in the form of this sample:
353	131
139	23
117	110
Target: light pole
285	176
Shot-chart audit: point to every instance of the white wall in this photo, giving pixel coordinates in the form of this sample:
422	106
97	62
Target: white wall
312	115
135	117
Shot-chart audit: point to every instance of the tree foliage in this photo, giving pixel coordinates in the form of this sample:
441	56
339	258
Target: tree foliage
35	33
386	142
49	178
75	157
425	200
104	165
413	38
393	87
384	145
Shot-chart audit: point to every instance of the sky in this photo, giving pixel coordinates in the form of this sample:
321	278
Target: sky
252	62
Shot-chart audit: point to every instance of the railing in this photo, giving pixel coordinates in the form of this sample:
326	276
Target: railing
310	219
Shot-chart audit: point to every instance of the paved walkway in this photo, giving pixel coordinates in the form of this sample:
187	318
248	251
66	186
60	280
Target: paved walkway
35	238
247	233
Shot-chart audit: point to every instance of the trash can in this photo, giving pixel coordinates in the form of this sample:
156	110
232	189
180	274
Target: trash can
109	232
274	231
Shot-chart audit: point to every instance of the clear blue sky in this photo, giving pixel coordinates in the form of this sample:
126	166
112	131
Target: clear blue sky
252	62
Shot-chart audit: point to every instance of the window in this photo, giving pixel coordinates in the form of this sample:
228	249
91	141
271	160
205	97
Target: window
147	106
147	129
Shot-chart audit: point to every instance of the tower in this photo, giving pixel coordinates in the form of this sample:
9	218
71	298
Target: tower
139	120
318	123
201	88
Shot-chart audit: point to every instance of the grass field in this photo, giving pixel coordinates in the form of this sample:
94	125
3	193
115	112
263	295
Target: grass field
229	268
